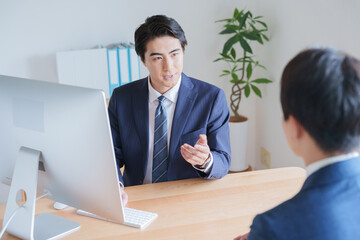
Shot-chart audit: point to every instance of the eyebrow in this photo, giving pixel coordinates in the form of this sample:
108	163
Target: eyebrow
155	53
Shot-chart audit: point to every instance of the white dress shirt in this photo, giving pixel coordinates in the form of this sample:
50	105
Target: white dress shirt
313	167
169	104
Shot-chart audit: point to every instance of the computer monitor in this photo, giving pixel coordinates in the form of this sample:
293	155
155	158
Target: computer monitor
68	127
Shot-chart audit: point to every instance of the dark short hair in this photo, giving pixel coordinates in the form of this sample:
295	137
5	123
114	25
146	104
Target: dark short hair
157	26
320	87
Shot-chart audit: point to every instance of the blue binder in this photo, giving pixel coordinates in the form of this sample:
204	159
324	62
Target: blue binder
124	64
134	62
113	69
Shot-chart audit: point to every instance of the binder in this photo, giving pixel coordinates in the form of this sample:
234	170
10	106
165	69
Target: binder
124	67
134	63
84	68
101	68
113	69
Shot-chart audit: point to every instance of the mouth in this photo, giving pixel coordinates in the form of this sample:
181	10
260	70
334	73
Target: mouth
169	77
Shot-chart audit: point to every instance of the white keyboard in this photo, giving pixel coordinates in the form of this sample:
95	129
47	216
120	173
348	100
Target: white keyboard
138	218
133	217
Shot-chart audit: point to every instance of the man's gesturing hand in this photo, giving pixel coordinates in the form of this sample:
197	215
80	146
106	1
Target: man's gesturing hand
198	154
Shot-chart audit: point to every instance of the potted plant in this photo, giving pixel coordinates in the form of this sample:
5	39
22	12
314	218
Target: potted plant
243	29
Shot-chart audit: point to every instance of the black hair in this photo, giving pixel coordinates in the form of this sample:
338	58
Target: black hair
157	26
320	88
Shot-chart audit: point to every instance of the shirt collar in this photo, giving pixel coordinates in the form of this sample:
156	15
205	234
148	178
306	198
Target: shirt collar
170	95
313	167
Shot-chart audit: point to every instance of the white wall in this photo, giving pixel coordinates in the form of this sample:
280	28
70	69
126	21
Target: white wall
296	25
31	32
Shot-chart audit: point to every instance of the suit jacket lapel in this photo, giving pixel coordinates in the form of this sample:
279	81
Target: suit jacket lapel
183	108
140	106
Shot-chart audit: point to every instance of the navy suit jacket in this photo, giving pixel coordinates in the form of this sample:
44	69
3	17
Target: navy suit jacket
201	108
327	207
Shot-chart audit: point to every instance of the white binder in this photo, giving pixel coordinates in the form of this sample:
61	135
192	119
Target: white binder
84	68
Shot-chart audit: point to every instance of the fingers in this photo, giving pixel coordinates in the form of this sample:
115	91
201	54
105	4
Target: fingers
242	237
198	150
198	154
189	155
202	148
202	140
124	196
195	155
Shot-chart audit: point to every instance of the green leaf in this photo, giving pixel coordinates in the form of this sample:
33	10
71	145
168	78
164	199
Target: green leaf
246	59
218	59
235	77
224	20
228	31
265	37
229	28
253	27
233	53
224	74
256	90
229	43
261	80
250	36
243	20
233	69
259	39
245	45
232	81
226	71
258	17
242	82
236	13
263	67
225	55
230	25
247	91
262	23
249	71
239	16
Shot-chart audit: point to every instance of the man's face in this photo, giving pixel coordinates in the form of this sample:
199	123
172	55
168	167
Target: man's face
164	59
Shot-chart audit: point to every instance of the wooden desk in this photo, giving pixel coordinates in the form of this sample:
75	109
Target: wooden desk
193	208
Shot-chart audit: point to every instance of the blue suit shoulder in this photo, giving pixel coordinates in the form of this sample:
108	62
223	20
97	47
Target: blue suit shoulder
129	88
204	87
281	222
326	207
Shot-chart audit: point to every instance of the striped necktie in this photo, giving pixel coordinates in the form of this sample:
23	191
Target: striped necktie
160	155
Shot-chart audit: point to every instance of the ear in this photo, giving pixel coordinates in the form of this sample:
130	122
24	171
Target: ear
294	133
297	130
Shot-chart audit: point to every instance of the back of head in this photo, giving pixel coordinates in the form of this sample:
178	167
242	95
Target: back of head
321	89
157	26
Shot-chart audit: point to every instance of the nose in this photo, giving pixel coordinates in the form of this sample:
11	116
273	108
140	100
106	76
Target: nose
167	64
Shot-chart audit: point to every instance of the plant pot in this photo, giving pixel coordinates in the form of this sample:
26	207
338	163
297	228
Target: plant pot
238	143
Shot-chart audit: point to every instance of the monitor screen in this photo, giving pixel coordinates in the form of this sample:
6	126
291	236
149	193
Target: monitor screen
69	126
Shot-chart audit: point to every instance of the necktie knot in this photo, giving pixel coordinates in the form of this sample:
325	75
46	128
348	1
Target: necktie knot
161	99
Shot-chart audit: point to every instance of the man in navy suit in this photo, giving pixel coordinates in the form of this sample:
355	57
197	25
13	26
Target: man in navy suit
320	97
194	132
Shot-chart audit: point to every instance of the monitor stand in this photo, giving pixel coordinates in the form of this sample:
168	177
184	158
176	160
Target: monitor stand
24	223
